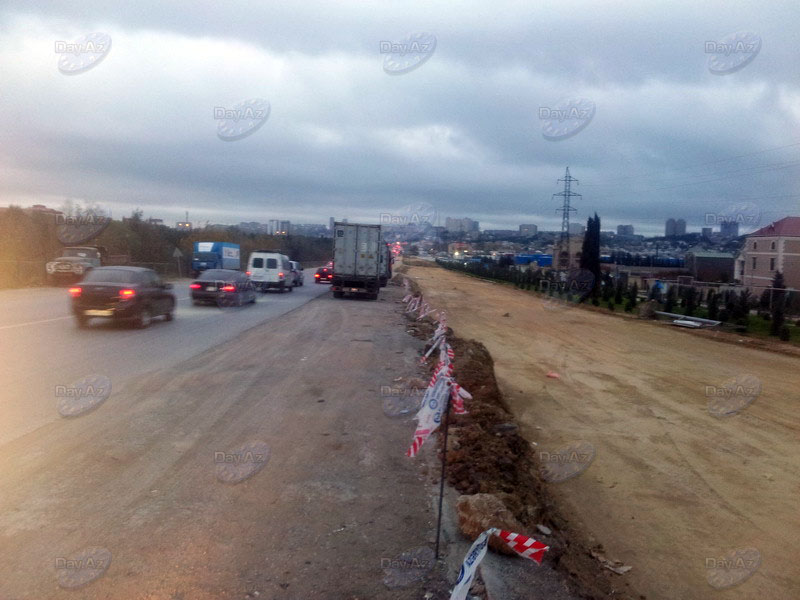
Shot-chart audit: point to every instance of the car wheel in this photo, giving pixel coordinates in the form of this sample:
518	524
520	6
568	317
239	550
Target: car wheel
144	318
170	314
81	321
291	288
338	294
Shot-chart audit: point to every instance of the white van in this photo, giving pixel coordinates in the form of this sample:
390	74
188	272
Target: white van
268	269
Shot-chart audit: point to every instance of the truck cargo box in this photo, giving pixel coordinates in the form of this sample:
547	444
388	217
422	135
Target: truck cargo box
358	262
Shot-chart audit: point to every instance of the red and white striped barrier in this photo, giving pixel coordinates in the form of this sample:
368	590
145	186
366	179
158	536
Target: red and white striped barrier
522	545
442	386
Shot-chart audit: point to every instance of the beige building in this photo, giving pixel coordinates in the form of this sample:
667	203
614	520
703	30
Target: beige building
773	248
560	253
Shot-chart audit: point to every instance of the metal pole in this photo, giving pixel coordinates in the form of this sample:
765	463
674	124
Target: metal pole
446	415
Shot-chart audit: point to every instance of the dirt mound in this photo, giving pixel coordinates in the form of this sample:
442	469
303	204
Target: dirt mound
487	455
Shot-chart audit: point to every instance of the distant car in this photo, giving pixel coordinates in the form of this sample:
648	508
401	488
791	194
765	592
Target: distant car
223	287
297	271
129	294
323	275
270	269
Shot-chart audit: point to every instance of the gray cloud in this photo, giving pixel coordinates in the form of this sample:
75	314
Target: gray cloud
462	132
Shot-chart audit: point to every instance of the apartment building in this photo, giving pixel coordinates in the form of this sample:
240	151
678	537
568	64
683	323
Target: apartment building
773	248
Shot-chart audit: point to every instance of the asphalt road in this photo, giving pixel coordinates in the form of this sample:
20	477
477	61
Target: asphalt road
42	348
267	467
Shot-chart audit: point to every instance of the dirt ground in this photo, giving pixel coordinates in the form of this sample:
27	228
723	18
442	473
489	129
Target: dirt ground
699	505
266	467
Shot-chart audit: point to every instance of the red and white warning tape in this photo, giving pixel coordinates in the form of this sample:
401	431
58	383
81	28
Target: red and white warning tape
522	545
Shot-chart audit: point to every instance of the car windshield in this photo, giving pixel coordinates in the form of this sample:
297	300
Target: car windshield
113	276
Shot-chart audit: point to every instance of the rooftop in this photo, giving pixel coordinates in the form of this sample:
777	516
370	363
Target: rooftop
787	226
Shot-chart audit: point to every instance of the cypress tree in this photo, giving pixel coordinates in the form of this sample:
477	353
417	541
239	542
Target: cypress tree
778	304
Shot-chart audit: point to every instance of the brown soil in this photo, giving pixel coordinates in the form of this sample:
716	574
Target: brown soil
486	454
672	487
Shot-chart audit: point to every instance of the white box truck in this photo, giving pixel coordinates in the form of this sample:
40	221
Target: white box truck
357	262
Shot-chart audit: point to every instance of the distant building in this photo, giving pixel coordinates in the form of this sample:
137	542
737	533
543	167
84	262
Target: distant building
706	232
500	233
37	209
42	209
773	248
559	253
710	266
675	227
273	226
464	225
331	221
310	230
153	221
252	227
576	229
729	229
624	229
528	230
284	228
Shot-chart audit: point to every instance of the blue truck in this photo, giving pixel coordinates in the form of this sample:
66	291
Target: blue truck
215	255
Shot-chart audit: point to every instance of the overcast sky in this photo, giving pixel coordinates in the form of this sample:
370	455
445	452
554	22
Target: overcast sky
662	126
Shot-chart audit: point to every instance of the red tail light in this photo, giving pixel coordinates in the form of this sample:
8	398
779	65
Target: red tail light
229	288
75	292
316	274
280	275
195	286
248	273
127	293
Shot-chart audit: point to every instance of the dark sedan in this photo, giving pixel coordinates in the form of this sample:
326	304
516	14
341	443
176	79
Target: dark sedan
130	294
223	287
323	274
